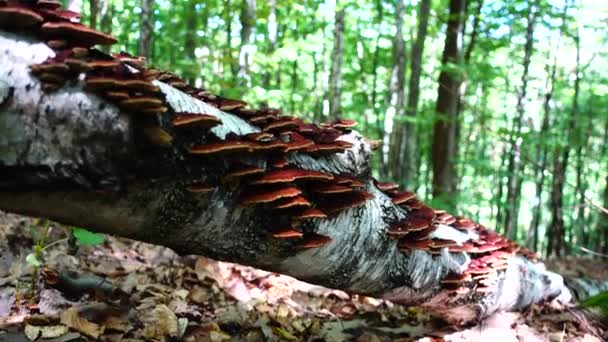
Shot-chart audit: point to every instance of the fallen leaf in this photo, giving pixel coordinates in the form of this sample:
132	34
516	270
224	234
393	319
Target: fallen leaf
72	319
160	323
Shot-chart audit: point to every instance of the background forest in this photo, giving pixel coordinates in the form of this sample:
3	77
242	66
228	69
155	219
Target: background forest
493	109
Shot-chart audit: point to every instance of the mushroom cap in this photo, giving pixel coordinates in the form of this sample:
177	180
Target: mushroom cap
187	120
290	175
386	186
455	278
18	17
407	226
310	213
233	146
199	188
326	189
230	104
313	241
259	196
140	103
280	125
79	33
242	171
337	203
402	196
287	233
260	137
406	244
294	202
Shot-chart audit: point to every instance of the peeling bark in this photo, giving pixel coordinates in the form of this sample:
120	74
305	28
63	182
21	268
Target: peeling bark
76	158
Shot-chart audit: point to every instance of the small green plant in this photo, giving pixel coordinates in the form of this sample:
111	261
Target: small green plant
599	301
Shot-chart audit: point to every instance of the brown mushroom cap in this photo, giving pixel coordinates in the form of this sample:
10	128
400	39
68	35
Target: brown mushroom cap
294	202
406	244
313	241
199	188
281	125
386	186
242	171
230	104
48	4
279	162
327	189
407	226
18	17
186	120
454	278
80	33
354	199
402	197
309	214
117	95
260	137
344	124
221	147
267	196
287	233
140	103
290	175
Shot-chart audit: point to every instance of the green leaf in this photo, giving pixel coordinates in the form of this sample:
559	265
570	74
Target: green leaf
32	260
86	237
600	300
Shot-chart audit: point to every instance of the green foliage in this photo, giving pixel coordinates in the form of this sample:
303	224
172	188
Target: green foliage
599	301
85	237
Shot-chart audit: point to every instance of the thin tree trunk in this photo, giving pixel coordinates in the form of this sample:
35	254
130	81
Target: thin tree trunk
335	75
397	99
146	28
375	60
411	159
541	159
515	164
557	231
228	44
93	13
443	147
248	18
272	45
602	223
190	41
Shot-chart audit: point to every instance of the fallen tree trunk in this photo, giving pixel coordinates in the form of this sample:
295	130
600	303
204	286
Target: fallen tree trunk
104	143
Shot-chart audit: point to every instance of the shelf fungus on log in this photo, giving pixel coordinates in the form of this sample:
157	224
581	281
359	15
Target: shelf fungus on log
257	168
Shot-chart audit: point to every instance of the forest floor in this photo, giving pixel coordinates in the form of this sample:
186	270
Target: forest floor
122	290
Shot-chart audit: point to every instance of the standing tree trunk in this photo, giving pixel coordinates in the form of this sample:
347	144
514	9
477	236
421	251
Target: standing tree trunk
557	230
515	165
335	75
443	147
373	102
146	28
94	13
541	159
602	223
272	44
409	168
190	42
397	98
248	17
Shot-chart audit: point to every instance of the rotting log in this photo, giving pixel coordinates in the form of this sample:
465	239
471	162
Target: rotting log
104	142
